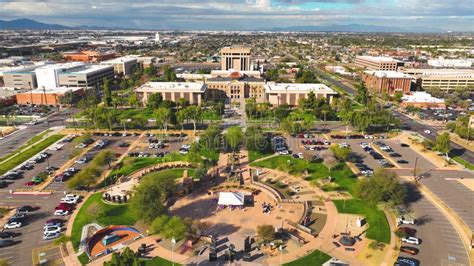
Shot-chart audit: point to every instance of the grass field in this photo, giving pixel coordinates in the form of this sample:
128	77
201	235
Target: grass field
465	163
316	258
157	261
343	176
170	173
113	215
379	228
27	154
255	155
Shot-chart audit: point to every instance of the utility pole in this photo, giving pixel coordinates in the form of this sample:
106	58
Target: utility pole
414	169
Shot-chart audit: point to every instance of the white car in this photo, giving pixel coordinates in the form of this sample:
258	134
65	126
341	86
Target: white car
50	236
72	196
427	132
411	240
52	229
81	160
12	225
385	148
284	152
343	145
183	151
185	146
61	213
69	200
364	145
367	172
300	155
403	220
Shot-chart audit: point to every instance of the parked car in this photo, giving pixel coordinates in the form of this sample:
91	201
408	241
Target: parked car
52	229
50	236
404	220
409	250
55	221
402	261
404	145
7	242
411	240
402	161
61	212
407	230
12	225
395	154
8	234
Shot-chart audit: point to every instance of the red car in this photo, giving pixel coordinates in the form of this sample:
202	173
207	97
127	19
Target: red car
30	184
64	207
407	230
409	250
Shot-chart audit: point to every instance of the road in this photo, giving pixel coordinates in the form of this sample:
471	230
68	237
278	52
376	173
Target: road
32	232
457	150
16	140
441	244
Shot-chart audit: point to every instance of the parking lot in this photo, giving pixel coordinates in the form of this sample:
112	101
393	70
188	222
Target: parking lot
32	231
441	244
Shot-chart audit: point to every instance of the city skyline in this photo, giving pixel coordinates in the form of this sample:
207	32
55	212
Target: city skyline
247	14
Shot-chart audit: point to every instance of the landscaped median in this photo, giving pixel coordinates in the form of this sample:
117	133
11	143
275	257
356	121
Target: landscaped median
25	155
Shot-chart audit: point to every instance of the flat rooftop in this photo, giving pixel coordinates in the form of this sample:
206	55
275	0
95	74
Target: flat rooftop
379	59
387	74
421	97
58	90
172	87
90	69
120	60
297	87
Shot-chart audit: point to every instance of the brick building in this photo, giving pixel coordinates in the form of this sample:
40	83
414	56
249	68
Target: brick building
388	82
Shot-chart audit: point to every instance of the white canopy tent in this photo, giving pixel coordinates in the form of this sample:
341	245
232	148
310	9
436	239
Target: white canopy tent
231	198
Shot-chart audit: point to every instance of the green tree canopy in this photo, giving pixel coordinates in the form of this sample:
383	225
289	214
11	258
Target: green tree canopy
383	186
233	137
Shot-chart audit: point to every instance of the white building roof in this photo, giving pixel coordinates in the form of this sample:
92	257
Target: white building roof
444	72
90	69
297	87
123	59
421	97
231	198
172	87
387	74
58	90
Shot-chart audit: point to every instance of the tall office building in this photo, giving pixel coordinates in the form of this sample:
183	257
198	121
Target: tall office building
235	58
377	63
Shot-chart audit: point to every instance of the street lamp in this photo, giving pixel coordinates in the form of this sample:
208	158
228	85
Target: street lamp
173	243
281	254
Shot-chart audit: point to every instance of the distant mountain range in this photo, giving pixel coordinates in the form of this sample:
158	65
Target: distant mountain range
354	28
28	24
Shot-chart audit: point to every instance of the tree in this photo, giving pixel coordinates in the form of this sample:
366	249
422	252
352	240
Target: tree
175	227
126	257
154	100
107	97
266	232
193	113
159	223
105	157
233	137
149	198
330	162
168	74
163	117
362	94
383	186
398	96
340	153
426	144
255	140
272	74
442	144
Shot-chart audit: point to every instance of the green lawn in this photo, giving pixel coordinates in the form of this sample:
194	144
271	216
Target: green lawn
27	154
38	137
344	178
316	258
170	173
211	115
157	261
83	258
113	215
255	155
379	228
465	163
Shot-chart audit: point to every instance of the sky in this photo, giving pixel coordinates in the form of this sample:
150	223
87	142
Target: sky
455	15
